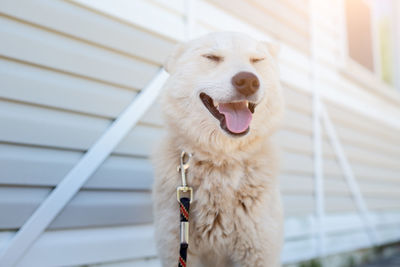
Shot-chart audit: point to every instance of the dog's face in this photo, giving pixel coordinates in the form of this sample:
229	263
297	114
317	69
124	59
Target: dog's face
223	85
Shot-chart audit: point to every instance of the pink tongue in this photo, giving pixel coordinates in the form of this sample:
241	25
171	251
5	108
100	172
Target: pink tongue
237	116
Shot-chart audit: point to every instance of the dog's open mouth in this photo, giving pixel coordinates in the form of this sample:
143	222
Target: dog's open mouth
234	117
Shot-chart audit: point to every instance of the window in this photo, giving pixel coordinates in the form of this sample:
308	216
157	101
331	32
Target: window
370	31
359	32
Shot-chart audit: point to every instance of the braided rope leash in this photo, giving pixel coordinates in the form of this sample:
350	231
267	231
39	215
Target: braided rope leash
184	204
184	195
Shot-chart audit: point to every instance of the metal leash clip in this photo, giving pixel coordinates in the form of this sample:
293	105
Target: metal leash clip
184	165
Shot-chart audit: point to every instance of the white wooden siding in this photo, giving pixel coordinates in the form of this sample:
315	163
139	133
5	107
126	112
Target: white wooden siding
69	68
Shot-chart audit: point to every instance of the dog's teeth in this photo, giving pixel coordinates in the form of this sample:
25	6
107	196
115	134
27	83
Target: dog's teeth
216	104
247	103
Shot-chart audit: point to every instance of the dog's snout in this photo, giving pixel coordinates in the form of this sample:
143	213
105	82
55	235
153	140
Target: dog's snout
246	83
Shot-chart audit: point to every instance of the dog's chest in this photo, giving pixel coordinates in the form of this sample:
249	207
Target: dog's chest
224	198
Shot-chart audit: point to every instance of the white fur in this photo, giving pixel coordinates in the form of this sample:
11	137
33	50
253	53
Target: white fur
236	216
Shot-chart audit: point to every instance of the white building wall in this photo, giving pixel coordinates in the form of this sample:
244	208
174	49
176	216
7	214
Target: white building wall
69	68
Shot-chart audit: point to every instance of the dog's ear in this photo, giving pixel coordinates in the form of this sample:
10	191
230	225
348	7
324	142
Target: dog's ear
170	62
273	48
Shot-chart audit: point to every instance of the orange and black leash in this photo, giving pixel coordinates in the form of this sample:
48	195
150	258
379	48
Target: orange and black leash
184	208
184	204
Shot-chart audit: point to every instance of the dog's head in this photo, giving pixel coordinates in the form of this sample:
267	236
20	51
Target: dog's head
223	86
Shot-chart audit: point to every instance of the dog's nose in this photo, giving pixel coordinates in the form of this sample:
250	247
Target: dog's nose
246	83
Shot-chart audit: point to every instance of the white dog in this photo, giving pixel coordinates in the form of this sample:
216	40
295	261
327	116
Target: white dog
222	102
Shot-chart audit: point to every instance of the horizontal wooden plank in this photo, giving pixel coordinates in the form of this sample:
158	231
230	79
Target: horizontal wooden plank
369	189
301	205
298	205
292	78
299	250
87	208
38	166
365	124
67	18
304	226
284	14
299	184
146	262
362	171
373	173
363	155
363	140
295	163
297	121
70	55
298	163
93	245
297	100
142	14
340	204
351	241
39	86
292	141
304	185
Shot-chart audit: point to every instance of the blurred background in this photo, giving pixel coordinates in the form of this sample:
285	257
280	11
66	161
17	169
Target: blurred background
70	68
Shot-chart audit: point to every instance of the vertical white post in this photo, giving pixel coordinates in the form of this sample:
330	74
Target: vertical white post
189	19
317	139
376	42
344	49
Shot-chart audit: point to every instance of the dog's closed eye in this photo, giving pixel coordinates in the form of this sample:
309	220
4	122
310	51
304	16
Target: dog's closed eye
214	58
255	60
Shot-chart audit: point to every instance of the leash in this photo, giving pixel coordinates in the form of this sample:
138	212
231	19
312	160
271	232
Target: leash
184	195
